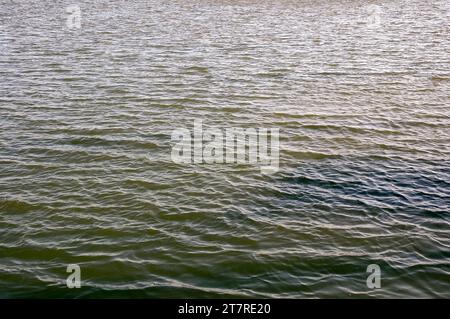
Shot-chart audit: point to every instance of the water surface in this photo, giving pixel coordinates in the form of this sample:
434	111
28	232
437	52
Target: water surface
361	97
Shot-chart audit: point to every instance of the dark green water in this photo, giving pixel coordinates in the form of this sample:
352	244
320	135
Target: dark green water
361	98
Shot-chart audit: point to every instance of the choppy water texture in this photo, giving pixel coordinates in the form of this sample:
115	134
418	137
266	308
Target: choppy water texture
360	94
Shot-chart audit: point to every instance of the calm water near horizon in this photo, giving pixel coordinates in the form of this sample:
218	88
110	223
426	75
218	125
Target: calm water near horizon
360	93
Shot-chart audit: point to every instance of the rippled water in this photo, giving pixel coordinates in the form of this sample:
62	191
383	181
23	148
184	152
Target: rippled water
361	96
